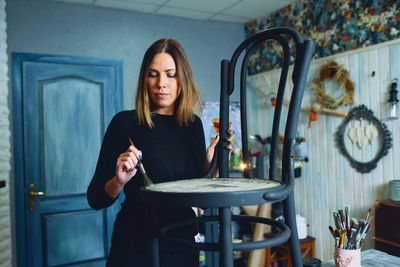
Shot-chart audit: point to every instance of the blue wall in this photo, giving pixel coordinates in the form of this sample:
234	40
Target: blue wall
50	27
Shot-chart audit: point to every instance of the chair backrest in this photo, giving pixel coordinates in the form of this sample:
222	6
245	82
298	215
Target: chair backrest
304	51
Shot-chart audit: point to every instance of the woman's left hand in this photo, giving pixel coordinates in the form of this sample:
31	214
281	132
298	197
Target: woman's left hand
211	150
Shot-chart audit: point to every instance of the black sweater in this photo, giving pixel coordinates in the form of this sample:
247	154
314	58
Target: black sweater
170	152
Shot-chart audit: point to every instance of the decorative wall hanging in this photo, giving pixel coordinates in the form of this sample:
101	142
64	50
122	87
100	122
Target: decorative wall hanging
313	110
333	70
362	134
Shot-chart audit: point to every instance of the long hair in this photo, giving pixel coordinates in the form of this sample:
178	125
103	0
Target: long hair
188	100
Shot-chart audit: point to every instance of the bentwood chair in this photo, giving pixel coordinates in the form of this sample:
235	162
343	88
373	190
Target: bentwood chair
223	193
304	51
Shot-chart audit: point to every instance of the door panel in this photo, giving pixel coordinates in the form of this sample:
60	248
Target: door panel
81	235
66	104
70	104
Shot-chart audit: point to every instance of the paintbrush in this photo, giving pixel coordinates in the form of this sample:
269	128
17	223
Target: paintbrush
335	219
342	219
333	232
369	210
342	237
354	223
347	215
146	179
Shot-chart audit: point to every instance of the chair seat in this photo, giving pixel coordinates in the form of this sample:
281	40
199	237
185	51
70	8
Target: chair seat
213	185
209	192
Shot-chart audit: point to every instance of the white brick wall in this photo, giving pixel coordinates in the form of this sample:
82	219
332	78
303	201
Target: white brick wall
5	146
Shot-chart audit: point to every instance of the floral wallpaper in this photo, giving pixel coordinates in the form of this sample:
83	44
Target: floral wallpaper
335	26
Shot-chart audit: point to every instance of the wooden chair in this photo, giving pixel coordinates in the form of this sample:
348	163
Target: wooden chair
282	252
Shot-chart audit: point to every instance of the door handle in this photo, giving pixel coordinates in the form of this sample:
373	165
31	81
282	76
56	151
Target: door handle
32	195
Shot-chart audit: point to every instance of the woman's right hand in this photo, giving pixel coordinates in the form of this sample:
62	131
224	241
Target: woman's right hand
126	165
124	171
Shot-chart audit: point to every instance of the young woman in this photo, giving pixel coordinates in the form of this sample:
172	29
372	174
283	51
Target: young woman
169	138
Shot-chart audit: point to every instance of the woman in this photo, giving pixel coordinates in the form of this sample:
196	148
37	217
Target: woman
169	138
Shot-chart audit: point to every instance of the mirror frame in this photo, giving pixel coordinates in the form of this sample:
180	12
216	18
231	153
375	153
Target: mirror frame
384	136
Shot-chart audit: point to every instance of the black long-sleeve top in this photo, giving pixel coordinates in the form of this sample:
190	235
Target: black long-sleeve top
169	151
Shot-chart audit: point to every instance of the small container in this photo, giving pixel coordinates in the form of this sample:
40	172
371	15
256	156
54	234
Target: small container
237	254
394	190
347	257
235	229
311	262
247	238
301	226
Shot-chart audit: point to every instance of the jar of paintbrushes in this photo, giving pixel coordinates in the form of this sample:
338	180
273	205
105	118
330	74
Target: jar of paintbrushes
349	235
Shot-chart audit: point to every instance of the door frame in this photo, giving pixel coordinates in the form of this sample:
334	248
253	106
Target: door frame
17	114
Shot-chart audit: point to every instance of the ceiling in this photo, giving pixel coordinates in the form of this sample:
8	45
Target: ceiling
232	11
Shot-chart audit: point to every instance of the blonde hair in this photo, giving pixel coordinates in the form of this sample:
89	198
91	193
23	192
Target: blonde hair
187	102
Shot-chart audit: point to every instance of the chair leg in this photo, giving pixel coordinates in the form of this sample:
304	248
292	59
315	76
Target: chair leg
313	250
268	257
290	218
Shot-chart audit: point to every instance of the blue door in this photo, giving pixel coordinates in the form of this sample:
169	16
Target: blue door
62	106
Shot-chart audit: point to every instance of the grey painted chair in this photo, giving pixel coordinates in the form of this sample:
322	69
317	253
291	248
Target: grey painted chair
304	51
202	192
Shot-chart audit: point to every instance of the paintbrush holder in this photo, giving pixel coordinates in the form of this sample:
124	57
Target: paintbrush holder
347	257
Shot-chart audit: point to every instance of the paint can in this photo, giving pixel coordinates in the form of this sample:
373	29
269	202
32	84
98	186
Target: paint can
394	190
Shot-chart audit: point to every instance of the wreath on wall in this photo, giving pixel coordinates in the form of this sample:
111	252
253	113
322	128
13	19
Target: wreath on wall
333	70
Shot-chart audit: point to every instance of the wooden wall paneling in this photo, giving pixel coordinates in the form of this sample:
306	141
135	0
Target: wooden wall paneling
377	86
359	88
328	181
341	177
301	201
346	170
373	100
304	203
311	212
319	129
354	177
384	84
364	98
324	169
343	180
394	63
